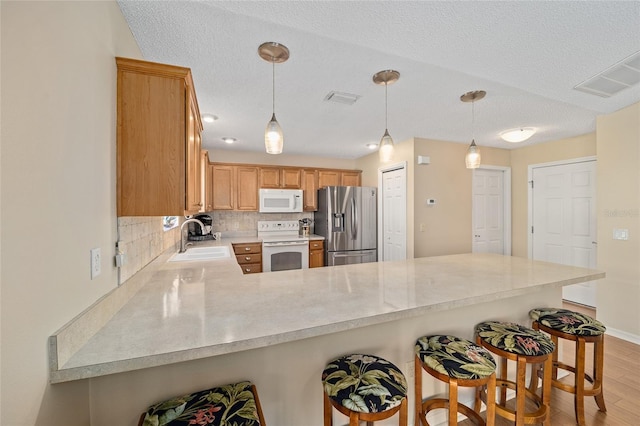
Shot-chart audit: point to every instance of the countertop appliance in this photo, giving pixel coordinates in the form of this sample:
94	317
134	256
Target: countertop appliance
282	247
280	200
195	233
347	218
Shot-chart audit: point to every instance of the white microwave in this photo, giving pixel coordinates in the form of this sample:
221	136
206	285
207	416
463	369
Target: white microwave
280	200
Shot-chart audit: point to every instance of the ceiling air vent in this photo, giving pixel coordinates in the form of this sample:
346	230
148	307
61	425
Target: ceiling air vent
614	79
342	98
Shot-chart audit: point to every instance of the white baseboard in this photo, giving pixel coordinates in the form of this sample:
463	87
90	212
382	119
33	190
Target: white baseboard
633	338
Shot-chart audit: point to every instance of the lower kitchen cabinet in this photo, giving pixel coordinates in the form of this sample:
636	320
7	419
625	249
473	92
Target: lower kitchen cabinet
316	253
249	257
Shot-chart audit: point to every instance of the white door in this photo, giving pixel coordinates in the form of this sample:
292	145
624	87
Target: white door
394	214
488	211
564	221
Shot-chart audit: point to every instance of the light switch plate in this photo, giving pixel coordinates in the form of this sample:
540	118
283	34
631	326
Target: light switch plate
620	234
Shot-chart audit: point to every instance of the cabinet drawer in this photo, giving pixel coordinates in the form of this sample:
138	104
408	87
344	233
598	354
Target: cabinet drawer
251	268
249	258
247	248
316	245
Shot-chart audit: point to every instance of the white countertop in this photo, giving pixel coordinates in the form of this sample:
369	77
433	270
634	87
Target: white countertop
191	310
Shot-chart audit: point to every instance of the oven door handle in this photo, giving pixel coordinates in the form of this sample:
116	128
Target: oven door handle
285	244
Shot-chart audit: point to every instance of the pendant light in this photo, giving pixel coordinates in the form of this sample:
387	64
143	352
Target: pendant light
472	159
275	53
385	148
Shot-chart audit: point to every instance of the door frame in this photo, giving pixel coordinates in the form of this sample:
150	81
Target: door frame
402	165
506	205
530	191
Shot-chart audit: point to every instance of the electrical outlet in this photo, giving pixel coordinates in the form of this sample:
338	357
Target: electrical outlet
95	262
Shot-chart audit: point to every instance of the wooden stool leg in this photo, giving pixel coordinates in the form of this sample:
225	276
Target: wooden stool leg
521	373
328	415
579	381
598	371
354	418
404	413
546	389
417	390
554	374
491	401
453	402
503	376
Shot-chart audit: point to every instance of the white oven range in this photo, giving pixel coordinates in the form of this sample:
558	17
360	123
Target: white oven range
282	246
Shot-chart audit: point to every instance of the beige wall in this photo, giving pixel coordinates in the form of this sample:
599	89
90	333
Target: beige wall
618	195
521	159
58	190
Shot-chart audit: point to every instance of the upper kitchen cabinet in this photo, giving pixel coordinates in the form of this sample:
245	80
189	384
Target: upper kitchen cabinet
235	187
351	178
280	177
158	140
339	178
207	181
310	190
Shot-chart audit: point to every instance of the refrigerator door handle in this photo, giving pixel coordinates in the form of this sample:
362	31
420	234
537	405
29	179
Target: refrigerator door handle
354	220
352	255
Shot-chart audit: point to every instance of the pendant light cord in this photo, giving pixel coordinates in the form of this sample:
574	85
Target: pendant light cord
273	106
386	126
473	120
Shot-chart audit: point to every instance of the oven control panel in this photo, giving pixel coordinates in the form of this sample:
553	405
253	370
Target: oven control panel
278	226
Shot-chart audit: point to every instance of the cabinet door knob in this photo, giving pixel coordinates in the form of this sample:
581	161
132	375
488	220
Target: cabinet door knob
247	248
247	258
247	270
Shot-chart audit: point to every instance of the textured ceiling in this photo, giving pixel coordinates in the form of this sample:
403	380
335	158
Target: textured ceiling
527	55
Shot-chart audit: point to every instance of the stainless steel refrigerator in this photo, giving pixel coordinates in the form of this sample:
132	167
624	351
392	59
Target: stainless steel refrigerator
347	218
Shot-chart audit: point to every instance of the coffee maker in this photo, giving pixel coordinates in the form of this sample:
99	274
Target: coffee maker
196	233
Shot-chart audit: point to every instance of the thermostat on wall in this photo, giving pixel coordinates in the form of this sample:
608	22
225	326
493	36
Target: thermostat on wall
422	159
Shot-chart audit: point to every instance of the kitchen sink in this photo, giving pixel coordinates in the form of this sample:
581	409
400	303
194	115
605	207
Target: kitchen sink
201	253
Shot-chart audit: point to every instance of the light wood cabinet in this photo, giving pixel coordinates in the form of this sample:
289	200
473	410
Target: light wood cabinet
224	187
158	140
280	177
247	188
249	257
235	187
207	190
350	178
328	178
310	190
316	253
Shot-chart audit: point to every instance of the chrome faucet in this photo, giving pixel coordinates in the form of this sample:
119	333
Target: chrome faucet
183	246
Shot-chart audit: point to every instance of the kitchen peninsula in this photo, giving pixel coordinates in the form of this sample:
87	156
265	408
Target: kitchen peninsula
184	326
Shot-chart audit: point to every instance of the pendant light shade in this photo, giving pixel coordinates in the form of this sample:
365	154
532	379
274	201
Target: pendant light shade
472	159
386	148
273	137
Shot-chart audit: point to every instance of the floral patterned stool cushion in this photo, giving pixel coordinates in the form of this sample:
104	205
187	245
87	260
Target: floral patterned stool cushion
514	338
235	404
364	384
567	321
457	362
455	357
581	329
514	342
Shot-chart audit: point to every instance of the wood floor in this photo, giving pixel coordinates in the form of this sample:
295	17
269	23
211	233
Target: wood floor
621	386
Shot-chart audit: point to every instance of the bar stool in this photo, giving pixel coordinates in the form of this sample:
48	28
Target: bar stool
364	388
581	329
457	362
523	345
236	404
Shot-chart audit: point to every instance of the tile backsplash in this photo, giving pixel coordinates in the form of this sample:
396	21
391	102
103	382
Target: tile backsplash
231	222
142	239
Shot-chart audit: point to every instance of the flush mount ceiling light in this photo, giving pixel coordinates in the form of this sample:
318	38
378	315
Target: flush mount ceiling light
209	118
386	77
229	140
472	159
275	53
372	146
517	135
